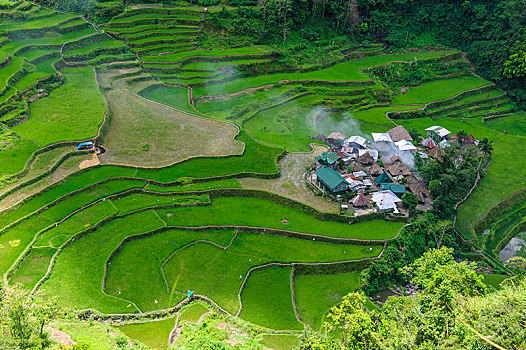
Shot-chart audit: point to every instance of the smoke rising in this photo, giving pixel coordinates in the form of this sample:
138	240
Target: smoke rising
388	150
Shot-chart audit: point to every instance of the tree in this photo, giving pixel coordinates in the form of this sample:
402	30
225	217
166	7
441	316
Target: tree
485	146
314	341
517	263
23	317
442	277
462	136
515	66
350	319
410	201
440	230
415	134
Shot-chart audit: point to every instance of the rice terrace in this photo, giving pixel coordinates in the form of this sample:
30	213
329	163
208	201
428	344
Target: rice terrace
222	174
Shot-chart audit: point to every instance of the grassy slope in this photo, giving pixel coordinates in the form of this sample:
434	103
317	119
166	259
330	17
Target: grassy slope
267	299
13	45
79	269
280	341
40	23
502	178
172	96
14	159
263	213
316	294
137	122
346	71
252	50
135	271
17	237
76	109
33	267
217	273
193	313
82	220
439	90
289	125
153	334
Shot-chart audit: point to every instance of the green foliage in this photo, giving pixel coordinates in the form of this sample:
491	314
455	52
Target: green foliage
515	66
517	263
23	317
396	75
350	320
208	336
424	233
454	311
451	177
410	200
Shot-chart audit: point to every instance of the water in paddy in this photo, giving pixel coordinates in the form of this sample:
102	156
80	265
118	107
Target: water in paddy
515	247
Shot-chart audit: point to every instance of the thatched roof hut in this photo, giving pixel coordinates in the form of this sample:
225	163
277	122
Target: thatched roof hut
375	170
360	201
366	159
399	133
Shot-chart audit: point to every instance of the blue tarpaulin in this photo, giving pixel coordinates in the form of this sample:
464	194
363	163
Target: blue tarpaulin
88	145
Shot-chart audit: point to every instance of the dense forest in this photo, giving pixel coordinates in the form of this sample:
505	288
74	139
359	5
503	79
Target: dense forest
492	33
446	297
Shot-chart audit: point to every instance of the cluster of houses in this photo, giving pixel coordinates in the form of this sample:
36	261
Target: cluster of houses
378	172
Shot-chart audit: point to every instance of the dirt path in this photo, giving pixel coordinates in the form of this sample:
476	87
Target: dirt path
89	162
60	337
175	333
203	316
291	183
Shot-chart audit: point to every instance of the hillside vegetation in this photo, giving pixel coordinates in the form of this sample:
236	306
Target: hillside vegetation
176	228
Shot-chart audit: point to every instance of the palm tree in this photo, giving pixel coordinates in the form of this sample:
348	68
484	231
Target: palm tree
485	146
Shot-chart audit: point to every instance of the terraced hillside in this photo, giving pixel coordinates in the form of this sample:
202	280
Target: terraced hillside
170	203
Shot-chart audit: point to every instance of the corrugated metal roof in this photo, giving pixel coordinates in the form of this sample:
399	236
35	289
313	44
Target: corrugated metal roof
395	188
329	177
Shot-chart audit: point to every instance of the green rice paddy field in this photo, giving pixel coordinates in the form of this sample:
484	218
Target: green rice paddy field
130	239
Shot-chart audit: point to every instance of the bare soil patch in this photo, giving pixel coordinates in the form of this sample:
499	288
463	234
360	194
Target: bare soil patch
291	183
89	162
146	134
70	166
60	337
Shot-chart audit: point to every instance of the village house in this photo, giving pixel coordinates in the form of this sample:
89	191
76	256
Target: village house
386	201
372	152
417	188
428	142
320	137
355	184
365	159
399	133
355	141
382	178
329	159
398	169
404	145
442	132
336	138
436	153
397	189
375	170
360	201
331	180
381	137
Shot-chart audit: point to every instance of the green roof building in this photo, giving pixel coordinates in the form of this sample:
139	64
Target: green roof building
328	158
383	178
397	189
331	180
